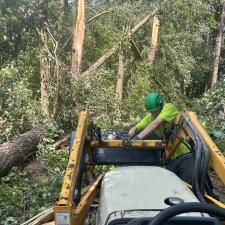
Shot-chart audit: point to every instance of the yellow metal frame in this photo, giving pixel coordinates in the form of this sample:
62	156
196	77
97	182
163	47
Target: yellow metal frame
78	214
217	159
66	194
152	144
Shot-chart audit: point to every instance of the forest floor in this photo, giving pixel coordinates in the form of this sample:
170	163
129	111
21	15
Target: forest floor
219	186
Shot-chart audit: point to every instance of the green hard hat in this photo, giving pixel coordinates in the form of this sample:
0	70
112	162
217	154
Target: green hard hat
153	102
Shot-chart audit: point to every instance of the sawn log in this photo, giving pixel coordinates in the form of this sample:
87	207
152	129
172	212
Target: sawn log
14	152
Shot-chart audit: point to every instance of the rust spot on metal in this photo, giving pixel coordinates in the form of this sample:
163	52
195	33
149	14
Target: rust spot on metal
63	198
158	144
67	186
69	176
71	165
144	144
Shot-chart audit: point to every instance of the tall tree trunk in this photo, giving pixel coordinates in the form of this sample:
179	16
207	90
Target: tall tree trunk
214	77
154	40
44	63
119	85
58	87
77	48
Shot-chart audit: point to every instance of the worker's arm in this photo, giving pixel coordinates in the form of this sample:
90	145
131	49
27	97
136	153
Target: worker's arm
151	127
140	126
132	131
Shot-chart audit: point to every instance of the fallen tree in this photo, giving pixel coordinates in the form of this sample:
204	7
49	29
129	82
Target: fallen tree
91	70
14	152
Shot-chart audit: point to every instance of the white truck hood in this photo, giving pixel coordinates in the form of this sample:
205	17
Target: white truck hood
139	189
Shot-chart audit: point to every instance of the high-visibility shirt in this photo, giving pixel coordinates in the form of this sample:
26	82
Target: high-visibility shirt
168	114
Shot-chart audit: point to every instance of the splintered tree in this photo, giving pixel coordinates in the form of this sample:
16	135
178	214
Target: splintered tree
119	85
154	39
44	63
92	69
78	39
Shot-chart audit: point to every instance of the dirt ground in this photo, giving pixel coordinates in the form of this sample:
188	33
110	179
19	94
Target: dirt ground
219	186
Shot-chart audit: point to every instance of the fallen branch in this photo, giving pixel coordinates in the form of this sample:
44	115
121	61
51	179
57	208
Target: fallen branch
100	61
106	56
141	23
98	15
61	142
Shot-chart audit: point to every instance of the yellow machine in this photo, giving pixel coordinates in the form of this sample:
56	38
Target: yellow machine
73	206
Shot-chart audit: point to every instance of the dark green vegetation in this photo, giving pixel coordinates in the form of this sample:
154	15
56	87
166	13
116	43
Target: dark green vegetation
181	72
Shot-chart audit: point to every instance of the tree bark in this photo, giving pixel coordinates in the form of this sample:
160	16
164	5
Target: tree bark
13	153
121	68
214	77
142	22
154	40
77	48
58	87
98	15
63	6
106	56
100	61
135	49
44	64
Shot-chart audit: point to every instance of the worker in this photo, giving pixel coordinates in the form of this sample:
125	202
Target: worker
158	120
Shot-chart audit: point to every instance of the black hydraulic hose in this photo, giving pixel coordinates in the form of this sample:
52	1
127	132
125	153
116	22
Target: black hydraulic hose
210	188
204	168
172	211
198	159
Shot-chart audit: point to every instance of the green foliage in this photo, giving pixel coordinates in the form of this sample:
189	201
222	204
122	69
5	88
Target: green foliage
180	73
186	43
22	195
18	104
211	108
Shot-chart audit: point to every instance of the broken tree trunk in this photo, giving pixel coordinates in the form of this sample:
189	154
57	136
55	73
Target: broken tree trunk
77	48
106	56
119	85
214	77
14	152
44	62
154	40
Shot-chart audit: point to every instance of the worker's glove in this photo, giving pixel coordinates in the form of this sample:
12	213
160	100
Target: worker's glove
136	137
126	142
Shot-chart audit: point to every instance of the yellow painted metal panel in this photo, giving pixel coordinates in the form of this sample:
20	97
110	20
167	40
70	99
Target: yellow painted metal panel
81	211
135	143
217	159
72	167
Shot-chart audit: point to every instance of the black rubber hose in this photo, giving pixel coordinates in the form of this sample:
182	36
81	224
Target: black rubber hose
198	159
204	169
172	211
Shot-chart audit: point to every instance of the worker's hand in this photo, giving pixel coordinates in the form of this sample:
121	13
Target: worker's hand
132	131
136	137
